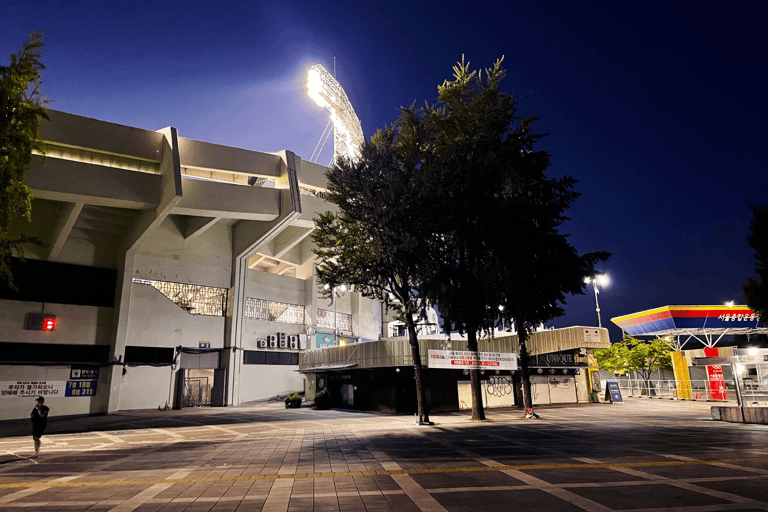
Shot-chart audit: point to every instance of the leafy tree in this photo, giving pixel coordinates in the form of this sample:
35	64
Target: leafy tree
21	111
756	290
632	354
378	238
500	215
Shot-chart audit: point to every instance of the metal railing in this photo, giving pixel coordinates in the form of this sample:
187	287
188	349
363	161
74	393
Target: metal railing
659	388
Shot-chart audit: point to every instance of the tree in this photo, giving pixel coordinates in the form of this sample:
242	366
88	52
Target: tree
632	354
500	216
379	239
22	108
756	290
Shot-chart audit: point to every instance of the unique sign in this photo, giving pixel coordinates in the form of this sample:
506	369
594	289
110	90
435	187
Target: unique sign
559	359
81	388
459	359
612	392
84	372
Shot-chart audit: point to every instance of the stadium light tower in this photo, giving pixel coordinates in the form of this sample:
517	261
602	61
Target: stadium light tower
323	88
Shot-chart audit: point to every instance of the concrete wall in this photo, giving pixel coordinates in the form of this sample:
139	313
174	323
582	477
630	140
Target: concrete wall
146	387
168	256
260	381
155	321
80	325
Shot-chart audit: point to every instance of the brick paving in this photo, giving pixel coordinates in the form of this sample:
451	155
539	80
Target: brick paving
643	455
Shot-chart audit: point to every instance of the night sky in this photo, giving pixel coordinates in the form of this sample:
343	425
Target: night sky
657	108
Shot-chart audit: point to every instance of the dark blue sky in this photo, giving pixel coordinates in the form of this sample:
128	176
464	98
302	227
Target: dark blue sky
657	108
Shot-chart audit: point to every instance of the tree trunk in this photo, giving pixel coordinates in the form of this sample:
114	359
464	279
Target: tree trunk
522	337
478	413
421	399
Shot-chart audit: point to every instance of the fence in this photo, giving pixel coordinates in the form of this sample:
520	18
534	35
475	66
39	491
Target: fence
658	388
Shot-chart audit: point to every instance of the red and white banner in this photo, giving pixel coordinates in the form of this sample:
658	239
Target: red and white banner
460	359
715	375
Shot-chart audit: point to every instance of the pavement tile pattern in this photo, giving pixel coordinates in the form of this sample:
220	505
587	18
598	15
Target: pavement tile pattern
643	455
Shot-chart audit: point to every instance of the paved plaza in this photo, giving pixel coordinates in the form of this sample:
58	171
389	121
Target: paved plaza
643	455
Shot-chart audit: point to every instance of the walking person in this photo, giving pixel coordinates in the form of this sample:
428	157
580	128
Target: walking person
39	422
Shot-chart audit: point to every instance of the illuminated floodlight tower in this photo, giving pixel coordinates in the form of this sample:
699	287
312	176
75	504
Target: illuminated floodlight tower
326	91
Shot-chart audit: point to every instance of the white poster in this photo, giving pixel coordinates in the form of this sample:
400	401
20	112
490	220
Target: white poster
27	389
459	360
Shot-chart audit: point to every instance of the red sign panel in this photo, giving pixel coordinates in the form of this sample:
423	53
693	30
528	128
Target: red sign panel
715	376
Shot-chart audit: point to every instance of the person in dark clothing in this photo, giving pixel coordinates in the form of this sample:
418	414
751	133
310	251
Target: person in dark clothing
39	417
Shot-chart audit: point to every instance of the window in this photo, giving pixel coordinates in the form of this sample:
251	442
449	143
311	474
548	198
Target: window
195	299
148	355
325	319
260	309
52	353
272	358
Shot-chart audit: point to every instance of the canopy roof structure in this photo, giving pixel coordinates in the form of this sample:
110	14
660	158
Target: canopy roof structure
692	321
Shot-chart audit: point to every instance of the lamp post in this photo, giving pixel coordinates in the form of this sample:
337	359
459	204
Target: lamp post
338	291
602	280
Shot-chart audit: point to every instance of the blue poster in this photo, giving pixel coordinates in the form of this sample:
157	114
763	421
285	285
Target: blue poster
81	388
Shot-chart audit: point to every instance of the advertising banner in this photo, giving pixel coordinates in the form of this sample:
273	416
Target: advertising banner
24	389
459	359
715	376
32	389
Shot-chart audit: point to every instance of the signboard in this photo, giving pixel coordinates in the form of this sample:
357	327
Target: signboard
559	359
715	376
30	389
612	392
324	340
459	359
33	389
84	372
669	318
81	388
204	344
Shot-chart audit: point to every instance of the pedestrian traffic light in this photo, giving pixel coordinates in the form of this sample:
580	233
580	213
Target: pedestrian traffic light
41	322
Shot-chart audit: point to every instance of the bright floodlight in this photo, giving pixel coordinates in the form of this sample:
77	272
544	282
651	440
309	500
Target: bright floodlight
729	303
323	88
602	280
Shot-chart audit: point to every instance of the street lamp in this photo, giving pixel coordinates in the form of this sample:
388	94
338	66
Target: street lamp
338	291
602	280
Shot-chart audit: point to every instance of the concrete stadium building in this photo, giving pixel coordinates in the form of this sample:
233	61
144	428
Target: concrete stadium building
170	261
181	273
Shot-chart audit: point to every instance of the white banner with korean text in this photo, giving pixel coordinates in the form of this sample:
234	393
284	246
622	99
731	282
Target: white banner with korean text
461	359
27	389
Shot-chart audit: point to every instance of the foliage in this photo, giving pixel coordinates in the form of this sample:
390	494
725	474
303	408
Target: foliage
451	205
632	354
756	290
293	401
21	111
500	213
377	239
322	400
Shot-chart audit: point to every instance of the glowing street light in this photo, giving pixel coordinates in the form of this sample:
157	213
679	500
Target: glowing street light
601	280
